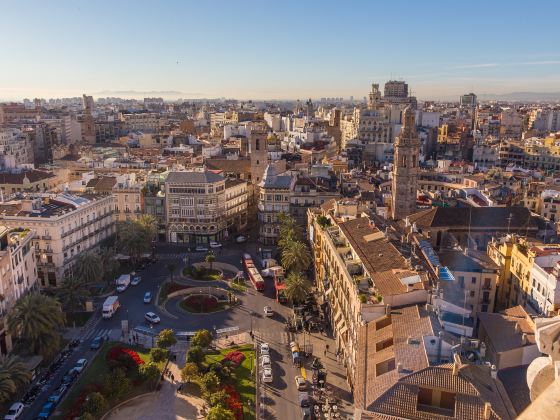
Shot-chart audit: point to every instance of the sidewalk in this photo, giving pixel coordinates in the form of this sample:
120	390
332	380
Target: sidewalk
336	372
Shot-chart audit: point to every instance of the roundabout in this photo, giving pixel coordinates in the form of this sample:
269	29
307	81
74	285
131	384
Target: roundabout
203	304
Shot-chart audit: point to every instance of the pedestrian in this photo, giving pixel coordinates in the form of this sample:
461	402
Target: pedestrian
172	378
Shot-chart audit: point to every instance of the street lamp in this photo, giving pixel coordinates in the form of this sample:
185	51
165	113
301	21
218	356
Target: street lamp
152	334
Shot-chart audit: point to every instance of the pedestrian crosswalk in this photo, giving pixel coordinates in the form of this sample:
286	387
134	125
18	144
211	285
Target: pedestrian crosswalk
280	337
101	332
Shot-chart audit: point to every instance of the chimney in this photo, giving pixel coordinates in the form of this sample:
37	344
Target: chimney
517	329
493	372
399	367
523	338
487	410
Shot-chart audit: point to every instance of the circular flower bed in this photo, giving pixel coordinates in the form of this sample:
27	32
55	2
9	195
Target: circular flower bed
202	304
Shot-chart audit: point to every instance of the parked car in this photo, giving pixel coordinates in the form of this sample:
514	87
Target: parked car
15	411
268	311
57	396
201	248
80	365
305	405
240	239
96	343
152	318
265	348
301	383
69	377
147	297
215	244
267	375
265	360
136	279
46	411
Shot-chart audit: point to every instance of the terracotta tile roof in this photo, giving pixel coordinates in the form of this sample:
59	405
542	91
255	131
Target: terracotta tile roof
501	331
472	385
411	322
17	178
376	255
103	183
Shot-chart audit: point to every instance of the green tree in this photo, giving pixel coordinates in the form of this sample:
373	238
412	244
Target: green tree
36	320
195	354
218	397
86	416
189	372
150	371
73	293
296	256
171	268
95	404
297	287
166	338
210	258
289	230
14	375
109	264
209	382
158	354
116	384
202	338
220	412
149	223
134	238
88	268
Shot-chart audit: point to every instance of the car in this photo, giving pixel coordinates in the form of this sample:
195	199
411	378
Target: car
201	248
265	348
268	311
46	410
301	383
121	288
215	244
69	377
265	360
96	343
57	396
147	297
15	411
152	318
267	375
305	405
136	279
80	365
240	239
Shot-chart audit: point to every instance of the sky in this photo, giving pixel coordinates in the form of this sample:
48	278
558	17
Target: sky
276	49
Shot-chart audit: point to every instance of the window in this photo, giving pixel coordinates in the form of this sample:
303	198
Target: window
385	366
384	344
473	280
471	293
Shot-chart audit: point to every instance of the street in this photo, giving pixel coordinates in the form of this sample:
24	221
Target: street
280	397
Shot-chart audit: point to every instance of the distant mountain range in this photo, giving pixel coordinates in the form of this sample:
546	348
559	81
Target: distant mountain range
522	96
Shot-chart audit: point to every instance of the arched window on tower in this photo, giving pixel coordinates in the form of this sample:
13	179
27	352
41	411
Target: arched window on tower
403	161
258	144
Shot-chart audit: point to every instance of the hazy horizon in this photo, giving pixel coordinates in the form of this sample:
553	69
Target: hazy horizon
251	50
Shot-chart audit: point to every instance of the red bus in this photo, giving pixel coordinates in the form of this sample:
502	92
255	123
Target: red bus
280	285
253	273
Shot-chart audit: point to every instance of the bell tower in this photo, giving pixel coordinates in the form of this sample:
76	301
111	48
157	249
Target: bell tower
405	168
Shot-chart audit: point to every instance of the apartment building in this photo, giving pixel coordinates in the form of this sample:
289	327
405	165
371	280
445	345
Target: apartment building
18	274
274	199
65	225
549	204
197	211
129	199
144	121
15	148
14	112
361	276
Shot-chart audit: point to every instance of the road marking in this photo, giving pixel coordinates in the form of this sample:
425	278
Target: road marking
303	373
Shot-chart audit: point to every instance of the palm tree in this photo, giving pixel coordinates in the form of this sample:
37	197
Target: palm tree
149	222
296	256
110	265
73	294
35	319
88	268
297	287
13	376
210	258
289	230
134	238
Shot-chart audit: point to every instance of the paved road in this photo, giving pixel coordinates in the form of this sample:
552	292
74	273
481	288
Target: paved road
280	396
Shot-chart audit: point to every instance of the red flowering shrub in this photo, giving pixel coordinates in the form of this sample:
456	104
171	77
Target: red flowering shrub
174	287
234	401
117	353
235	357
201	303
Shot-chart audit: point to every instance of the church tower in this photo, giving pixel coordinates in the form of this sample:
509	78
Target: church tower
405	168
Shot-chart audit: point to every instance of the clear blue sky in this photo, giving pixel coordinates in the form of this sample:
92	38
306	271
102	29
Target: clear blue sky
276	49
